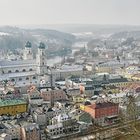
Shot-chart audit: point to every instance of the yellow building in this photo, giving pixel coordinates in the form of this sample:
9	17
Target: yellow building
132	72
136	77
12	107
112	89
104	69
78	99
121	84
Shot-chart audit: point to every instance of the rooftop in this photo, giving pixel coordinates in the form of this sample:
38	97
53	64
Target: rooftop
102	105
59	125
67	68
11	102
50	89
8	63
30	127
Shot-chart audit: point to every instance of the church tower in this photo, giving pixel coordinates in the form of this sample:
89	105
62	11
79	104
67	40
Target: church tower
41	60
28	55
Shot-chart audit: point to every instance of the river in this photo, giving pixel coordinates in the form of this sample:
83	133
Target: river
52	61
75	47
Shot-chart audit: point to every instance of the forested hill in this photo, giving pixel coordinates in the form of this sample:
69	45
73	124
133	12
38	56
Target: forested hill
13	38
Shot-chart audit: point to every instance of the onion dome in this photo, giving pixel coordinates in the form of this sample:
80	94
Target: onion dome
41	45
28	44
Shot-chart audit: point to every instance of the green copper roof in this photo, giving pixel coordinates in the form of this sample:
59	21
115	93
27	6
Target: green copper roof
28	44
11	102
41	45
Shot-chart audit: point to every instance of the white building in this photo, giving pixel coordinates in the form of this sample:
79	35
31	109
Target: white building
67	70
27	71
43	115
66	127
5	136
60	118
13	130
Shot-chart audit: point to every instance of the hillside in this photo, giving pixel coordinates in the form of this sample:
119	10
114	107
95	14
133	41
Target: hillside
56	42
126	34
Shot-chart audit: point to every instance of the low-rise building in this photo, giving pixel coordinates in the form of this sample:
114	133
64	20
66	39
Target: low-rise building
100	111
78	99
67	70
55	94
13	130
83	84
112	89
12	107
63	128
34	96
44	115
5	136
30	132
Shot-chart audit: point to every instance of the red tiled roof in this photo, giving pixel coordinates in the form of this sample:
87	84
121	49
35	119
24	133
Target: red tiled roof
102	105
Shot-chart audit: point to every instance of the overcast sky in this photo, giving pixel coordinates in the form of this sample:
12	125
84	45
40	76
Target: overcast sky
16	12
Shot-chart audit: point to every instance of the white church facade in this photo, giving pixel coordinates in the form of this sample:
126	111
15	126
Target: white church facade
28	71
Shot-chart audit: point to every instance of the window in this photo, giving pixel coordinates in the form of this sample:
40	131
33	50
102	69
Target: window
9	71
30	69
2	72
27	78
13	80
20	79
17	71
34	77
23	70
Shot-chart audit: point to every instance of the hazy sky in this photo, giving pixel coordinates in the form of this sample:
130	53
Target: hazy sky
69	11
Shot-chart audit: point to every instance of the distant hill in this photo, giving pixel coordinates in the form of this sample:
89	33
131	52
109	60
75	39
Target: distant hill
126	34
127	38
13	38
78	28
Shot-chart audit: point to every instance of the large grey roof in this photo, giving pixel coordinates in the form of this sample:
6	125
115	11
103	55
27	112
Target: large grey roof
8	63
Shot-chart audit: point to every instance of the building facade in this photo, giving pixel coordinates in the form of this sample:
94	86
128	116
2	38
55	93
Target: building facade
12	107
30	132
28	71
100	111
55	94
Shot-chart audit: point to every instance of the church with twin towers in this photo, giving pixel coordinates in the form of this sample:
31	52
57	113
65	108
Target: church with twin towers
40	57
29	70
